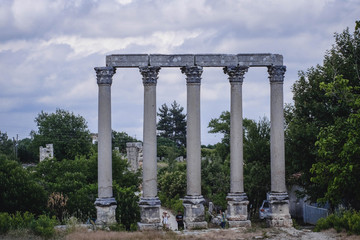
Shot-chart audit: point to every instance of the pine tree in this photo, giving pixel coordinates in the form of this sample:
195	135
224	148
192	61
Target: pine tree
172	123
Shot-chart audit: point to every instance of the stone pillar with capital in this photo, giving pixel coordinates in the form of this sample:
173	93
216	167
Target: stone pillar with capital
237	213
105	203
149	202
278	197
193	202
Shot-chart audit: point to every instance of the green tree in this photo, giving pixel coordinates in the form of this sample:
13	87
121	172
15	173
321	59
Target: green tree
172	123
314	109
119	139
256	160
19	191
338	167
68	133
25	154
6	145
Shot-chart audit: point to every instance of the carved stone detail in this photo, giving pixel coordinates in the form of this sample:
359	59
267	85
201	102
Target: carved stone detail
150	74
193	74
236	73
276	73
104	75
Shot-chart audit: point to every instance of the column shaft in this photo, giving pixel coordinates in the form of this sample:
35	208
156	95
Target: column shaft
194	216
149	148
278	197
149	203
104	76
277	141
105	203
237	199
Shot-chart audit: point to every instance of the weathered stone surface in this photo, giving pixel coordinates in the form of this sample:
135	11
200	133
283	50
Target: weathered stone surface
105	209
216	60
46	152
194	216
177	60
260	59
237	214
279	210
127	60
204	60
134	155
149	213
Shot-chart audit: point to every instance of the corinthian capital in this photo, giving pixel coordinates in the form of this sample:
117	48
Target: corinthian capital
104	75
276	73
149	74
193	74
236	73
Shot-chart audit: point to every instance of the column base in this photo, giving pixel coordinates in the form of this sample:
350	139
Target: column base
149	213
237	212
194	216
105	211
279	210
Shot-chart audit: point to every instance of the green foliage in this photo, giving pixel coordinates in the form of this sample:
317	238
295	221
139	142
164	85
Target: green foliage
175	204
343	220
216	170
172	183
21	221
127	211
25	154
338	168
222	125
172	124
325	113
172	186
68	133
19	191
215	180
44	226
6	145
4	223
119	139
76	180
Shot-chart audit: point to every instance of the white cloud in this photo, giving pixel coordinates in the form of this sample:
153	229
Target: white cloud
48	50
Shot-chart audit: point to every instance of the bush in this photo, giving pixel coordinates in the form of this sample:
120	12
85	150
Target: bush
21	221
44	226
4	223
345	220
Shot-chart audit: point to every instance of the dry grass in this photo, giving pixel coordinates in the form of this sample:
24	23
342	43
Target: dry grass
83	234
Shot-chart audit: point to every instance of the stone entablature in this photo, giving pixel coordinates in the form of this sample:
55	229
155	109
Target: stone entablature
204	60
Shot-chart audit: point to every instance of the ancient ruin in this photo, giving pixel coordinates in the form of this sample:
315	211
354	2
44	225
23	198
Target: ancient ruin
134	155
46	152
235	66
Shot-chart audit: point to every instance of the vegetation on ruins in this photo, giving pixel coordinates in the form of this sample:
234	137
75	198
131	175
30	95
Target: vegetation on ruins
66	131
216	170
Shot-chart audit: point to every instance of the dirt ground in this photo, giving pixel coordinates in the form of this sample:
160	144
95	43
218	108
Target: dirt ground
233	233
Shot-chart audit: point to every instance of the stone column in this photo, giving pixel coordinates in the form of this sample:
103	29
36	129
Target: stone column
149	202
194	216
278	197
237	214
105	203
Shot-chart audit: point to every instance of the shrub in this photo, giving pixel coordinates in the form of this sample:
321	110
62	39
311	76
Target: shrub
4	223
21	221
345	220
44	226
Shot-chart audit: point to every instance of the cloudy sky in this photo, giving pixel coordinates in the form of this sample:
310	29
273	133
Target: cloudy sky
48	49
